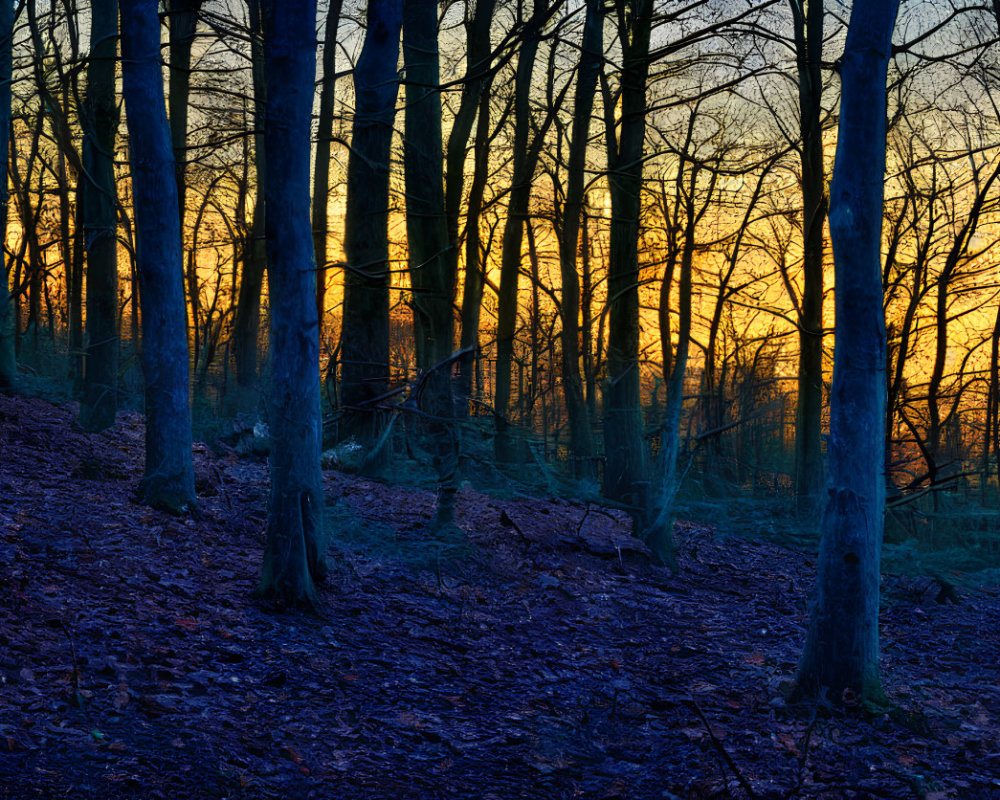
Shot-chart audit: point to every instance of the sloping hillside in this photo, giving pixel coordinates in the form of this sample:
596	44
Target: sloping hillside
543	658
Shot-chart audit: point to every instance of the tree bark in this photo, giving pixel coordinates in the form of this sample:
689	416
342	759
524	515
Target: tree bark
293	560
842	643
525	159
474	283
246	321
808	27
432	269
321	170
580	435
169	478
365	337
626	462
182	16
99	403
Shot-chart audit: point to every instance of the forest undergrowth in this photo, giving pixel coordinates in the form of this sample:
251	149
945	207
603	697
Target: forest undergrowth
543	657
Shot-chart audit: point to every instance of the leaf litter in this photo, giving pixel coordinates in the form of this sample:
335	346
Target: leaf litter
542	658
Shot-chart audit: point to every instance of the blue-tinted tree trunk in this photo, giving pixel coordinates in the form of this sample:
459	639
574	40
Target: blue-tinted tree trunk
365	337
99	403
432	271
293	561
8	364
842	644
169	479
626	472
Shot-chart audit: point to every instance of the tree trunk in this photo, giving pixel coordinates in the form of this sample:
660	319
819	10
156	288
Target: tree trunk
842	645
475	103
8	364
321	170
808	27
659	533
432	270
182	16
510	258
246	321
472	291
293	560
626	470
99	403
580	436
365	337
169	478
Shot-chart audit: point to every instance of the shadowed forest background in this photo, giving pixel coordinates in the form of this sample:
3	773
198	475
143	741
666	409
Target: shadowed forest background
587	250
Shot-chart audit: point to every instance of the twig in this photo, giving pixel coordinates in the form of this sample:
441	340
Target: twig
728	759
803	758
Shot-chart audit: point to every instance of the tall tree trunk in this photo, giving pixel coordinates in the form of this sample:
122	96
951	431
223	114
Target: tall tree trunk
99	403
842	643
73	270
432	270
808	31
513	232
8	364
626	468
169	478
365	337
293	560
246	321
580	436
321	170
659	532
182	17
474	283
474	104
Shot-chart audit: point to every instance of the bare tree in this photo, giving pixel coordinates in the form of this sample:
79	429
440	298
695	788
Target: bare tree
841	648
99	402
293	561
321	168
365	332
169	478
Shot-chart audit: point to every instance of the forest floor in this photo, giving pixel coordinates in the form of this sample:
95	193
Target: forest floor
544	658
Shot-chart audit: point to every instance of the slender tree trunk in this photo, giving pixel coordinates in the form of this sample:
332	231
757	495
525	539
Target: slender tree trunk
659	534
580	436
246	322
365	338
474	283
321	170
475	103
842	643
183	21
8	364
626	467
513	232
808	27
99	403
169	479
74	274
587	318
293	560
432	270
